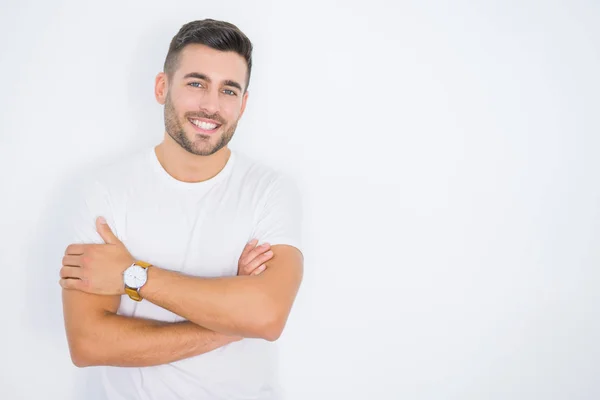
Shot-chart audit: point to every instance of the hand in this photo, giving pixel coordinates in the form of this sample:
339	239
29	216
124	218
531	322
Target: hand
96	268
253	259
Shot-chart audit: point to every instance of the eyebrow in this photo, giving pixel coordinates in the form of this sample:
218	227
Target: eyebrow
207	79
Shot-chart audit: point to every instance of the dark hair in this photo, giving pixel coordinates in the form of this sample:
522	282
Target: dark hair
219	35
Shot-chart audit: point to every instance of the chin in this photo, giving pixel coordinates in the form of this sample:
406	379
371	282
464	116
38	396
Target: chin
202	147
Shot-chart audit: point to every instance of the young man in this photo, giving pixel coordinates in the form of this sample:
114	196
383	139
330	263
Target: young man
166	285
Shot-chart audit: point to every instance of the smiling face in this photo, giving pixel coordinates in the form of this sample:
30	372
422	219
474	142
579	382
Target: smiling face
204	98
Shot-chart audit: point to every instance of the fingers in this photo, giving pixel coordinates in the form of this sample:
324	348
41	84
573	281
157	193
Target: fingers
255	252
75	249
105	232
71	268
249	246
257	262
253	258
76	284
260	269
72	261
67	272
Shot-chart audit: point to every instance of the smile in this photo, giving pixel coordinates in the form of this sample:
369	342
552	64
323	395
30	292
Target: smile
204	126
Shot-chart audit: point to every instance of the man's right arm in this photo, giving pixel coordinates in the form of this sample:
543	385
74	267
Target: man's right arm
98	336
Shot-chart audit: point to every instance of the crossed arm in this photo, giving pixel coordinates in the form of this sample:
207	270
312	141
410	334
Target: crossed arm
218	310
98	336
249	306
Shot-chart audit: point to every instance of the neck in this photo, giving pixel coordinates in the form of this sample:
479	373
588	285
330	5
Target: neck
188	167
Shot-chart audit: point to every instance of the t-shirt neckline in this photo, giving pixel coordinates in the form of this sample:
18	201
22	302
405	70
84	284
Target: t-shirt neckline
191	186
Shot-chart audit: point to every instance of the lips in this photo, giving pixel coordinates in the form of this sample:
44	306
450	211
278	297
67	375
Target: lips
205	126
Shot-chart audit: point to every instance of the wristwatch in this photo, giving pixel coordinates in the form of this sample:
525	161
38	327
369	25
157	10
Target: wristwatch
134	277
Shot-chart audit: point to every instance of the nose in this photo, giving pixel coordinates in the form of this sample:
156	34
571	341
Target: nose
209	101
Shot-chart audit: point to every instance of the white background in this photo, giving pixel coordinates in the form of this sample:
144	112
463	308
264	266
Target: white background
448	154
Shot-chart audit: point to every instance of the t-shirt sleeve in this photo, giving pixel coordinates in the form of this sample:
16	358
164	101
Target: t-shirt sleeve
279	219
91	201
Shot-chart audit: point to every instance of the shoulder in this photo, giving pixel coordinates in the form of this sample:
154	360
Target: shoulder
262	177
274	193
115	175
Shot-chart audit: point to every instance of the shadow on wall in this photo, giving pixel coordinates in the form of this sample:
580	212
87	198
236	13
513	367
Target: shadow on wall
52	236
147	61
49	242
44	304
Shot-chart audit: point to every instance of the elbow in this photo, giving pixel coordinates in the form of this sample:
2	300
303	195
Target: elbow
81	354
79	359
80	362
272	334
269	317
86	347
272	326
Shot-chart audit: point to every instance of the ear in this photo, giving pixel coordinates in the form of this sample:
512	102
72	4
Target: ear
244	100
160	88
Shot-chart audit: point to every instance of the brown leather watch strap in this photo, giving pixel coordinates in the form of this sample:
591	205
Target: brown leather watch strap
133	294
143	264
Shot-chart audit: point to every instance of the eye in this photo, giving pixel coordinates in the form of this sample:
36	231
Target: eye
195	84
229	92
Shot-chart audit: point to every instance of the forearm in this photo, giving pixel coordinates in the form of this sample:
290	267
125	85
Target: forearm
230	305
132	342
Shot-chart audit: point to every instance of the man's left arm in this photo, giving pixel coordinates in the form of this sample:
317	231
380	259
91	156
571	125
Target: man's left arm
249	306
255	306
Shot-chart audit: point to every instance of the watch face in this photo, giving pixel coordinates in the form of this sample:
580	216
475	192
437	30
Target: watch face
135	276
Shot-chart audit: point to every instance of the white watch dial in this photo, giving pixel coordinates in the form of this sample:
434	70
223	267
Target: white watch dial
135	276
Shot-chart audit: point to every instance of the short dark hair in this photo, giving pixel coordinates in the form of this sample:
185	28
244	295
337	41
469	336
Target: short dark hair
219	35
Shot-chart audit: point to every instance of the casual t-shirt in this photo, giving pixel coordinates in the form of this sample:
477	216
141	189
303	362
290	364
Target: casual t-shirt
198	229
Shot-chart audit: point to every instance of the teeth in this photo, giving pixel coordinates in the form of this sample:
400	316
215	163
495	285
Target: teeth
204	125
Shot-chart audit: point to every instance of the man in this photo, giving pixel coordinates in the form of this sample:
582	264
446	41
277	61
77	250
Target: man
163	285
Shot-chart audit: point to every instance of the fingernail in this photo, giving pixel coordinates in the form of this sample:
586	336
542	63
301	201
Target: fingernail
269	253
259	269
102	220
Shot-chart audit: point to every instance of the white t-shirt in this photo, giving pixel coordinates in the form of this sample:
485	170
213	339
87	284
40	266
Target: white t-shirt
197	229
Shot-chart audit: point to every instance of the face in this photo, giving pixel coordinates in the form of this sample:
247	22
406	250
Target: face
204	99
